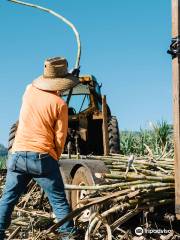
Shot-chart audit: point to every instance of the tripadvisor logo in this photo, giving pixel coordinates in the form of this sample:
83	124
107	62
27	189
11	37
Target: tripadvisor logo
139	231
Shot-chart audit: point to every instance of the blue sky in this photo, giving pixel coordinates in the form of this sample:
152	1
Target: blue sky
124	44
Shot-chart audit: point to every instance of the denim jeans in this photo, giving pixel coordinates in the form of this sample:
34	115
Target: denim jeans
21	168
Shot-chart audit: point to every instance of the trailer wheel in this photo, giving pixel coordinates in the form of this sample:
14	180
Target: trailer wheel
12	134
114	138
82	177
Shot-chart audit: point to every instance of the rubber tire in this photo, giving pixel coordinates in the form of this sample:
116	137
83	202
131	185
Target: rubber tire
12	134
114	136
81	177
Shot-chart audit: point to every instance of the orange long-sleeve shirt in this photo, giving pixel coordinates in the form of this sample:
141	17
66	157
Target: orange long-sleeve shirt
43	123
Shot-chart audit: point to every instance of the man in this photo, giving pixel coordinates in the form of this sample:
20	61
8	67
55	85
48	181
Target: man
39	142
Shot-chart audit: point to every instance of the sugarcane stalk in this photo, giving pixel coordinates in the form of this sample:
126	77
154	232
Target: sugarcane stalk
142	177
151	185
157	203
62	18
150	198
126	197
125	218
144	163
158	189
103	215
102	187
34	213
149	172
110	196
14	233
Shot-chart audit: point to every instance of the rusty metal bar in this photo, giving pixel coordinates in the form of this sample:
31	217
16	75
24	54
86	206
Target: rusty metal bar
105	126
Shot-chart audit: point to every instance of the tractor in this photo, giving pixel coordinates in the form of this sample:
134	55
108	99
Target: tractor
85	134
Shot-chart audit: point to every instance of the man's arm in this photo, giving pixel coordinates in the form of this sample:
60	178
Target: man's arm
61	129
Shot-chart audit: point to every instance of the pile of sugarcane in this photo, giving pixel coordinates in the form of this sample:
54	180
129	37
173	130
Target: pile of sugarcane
133	186
137	192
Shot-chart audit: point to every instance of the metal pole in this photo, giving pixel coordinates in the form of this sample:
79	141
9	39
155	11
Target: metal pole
105	126
176	103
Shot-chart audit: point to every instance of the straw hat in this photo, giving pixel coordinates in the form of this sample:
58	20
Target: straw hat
56	76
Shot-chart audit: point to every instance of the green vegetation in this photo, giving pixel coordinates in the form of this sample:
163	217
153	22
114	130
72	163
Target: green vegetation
3	156
156	141
3	162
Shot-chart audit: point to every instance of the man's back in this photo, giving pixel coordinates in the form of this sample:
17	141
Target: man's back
39	115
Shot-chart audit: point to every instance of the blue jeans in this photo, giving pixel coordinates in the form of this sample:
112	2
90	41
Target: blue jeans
21	168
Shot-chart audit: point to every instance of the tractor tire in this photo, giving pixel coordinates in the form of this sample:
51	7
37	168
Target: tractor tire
82	177
114	138
12	134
